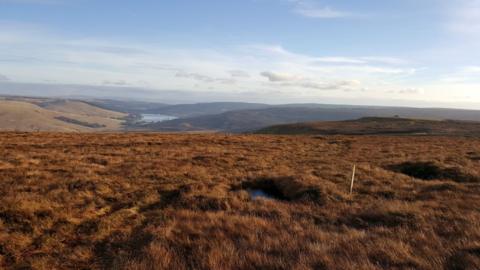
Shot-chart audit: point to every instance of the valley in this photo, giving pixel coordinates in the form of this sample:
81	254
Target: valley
106	115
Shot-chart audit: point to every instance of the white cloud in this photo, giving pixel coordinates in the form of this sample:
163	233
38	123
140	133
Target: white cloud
3	78
323	13
332	64
239	74
294	80
361	60
264	69
310	9
339	60
467	74
195	76
411	91
280	77
203	78
385	60
472	69
116	83
347	85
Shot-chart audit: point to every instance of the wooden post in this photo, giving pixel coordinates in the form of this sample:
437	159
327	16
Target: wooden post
353	178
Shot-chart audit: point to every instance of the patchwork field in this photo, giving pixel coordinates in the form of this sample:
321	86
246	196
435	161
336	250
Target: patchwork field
152	201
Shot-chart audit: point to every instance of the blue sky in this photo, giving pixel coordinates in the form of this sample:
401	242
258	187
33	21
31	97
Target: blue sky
406	52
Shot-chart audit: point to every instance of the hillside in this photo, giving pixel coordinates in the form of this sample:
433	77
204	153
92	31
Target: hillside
247	120
126	106
377	126
231	117
250	120
177	110
199	109
26	115
80	108
152	201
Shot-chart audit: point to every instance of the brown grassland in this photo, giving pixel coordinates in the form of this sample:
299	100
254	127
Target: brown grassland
66	116
152	201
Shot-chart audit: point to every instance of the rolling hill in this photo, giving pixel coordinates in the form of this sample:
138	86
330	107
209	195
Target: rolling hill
251	120
81	108
200	109
53	115
130	106
177	110
377	126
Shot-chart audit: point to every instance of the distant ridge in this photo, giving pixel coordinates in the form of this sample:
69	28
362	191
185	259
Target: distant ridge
251	120
377	126
233	117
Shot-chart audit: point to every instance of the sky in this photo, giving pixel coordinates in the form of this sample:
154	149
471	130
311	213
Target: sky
396	52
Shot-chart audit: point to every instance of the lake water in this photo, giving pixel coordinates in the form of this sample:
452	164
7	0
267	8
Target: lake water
154	118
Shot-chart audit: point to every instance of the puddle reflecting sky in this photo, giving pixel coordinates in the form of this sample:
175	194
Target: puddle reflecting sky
258	193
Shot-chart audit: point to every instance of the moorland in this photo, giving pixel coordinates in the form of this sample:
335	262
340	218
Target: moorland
377	126
183	201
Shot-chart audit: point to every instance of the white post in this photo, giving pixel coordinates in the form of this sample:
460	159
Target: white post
353	178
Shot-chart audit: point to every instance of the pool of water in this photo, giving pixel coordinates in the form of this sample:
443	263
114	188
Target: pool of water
259	193
154	118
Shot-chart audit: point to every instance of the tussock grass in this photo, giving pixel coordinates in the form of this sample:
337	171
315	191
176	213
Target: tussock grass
431	171
150	201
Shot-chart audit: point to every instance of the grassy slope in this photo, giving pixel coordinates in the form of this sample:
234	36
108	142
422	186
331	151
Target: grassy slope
26	116
82	108
375	125
150	201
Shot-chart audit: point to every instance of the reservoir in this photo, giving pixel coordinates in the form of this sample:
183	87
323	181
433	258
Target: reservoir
154	118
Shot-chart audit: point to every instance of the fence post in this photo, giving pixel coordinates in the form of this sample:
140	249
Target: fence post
353	178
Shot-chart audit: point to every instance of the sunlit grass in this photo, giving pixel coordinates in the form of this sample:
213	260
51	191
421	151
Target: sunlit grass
150	201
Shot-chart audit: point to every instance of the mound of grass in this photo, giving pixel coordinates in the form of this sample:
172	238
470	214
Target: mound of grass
433	171
288	189
465	259
389	219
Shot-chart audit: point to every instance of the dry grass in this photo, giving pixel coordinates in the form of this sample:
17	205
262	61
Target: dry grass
378	126
25	116
149	201
82	108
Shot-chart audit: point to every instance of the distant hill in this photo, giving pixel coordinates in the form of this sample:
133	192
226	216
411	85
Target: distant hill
134	107
200	109
178	110
54	115
377	126
81	108
30	113
250	120
247	120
